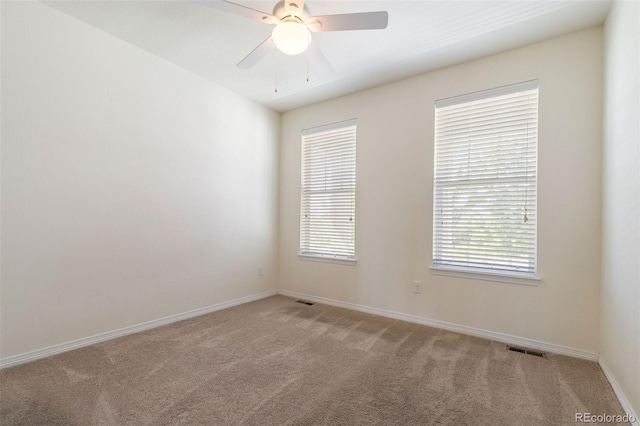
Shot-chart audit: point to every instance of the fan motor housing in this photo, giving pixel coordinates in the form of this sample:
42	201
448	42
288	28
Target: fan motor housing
281	12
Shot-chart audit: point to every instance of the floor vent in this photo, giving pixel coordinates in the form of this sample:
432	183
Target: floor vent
527	351
304	302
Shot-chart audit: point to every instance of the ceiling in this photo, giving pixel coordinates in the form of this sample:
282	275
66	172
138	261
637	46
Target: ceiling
421	36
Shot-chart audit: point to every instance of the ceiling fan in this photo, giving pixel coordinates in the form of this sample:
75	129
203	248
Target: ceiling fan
293	23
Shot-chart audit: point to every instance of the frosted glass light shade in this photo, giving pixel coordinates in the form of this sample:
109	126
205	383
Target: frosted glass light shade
291	38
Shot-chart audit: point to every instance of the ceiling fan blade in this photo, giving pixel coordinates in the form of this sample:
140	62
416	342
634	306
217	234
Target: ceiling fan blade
349	21
258	53
247	12
319	61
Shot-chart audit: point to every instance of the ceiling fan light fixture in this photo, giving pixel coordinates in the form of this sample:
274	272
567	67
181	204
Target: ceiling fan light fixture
291	38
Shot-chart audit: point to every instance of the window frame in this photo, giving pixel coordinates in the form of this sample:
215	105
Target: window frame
439	266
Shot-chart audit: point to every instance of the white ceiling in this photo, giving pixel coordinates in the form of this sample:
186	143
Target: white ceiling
421	36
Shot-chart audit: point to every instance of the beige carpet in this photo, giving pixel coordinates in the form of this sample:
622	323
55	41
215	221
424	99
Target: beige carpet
277	362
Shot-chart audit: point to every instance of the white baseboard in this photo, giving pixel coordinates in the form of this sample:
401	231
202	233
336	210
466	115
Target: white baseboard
462	329
626	406
86	341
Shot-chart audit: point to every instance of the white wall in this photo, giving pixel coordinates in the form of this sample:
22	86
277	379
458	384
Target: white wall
620	323
394	198
131	189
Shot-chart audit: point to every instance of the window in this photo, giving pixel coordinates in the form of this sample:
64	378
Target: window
485	181
328	193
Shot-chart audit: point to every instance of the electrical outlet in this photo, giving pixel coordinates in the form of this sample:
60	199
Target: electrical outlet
260	271
417	287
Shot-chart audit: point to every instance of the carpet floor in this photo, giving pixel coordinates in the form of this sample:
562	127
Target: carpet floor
278	362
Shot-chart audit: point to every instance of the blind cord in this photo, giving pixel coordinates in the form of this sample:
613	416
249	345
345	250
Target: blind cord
526	166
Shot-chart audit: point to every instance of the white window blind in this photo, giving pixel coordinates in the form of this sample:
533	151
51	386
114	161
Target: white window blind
485	181
328	196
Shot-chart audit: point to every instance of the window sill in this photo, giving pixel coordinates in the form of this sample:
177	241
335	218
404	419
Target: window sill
326	259
486	276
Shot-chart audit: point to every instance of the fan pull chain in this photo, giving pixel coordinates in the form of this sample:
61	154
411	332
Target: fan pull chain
276	90
308	46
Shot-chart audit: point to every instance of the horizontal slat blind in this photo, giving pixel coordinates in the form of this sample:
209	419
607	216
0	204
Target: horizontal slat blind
327	225
485	180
